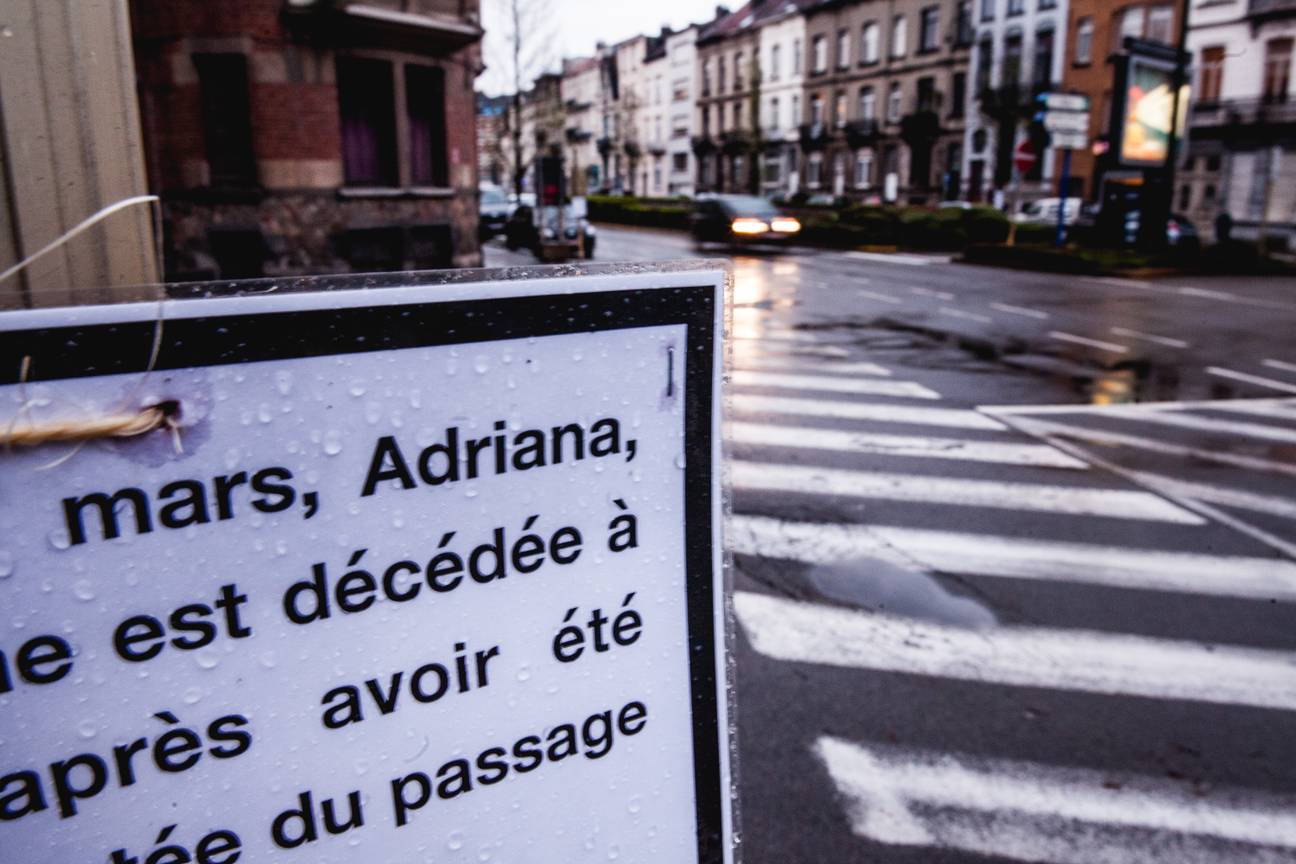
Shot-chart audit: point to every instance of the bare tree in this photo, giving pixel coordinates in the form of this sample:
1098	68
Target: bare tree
527	49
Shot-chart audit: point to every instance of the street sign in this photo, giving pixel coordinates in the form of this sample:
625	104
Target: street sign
425	572
1024	156
1066	121
1068	140
1073	102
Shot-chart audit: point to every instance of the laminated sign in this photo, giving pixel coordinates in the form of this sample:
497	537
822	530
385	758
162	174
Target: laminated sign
415	573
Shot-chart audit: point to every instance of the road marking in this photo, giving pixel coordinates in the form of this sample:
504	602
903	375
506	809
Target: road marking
1079	660
970	316
1017	558
1156	445
1280	365
874	295
1013	809
768	365
1275	406
898	258
1020	310
902	389
998	452
1251	379
1206	293
959	492
952	418
1121	283
1273	505
927	292
1092	343
1149	337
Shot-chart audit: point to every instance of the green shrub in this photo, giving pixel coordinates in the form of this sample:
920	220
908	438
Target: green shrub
985	225
1030	234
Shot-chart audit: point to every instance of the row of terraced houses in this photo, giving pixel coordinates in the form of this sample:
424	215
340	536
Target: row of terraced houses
922	101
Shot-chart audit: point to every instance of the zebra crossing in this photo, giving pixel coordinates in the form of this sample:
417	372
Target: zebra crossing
1121	594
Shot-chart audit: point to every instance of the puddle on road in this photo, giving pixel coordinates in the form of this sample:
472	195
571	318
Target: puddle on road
881	586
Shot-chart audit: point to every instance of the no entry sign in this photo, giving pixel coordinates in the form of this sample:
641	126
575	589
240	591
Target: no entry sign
427	573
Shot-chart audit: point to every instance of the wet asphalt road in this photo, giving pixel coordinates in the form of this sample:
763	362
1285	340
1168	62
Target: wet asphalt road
1006	589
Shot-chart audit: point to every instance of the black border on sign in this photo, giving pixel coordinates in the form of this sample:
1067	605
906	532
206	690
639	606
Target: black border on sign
110	349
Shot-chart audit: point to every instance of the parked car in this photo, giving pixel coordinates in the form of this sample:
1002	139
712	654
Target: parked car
522	232
493	211
740	219
1044	211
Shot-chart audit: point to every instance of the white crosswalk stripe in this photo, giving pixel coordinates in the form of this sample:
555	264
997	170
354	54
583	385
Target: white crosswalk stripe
865	386
1006	808
952	418
957	491
1017	558
1001	452
1105	663
828	368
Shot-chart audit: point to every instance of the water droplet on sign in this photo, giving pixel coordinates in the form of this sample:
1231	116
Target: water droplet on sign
635	804
207	660
333	443
357	388
455	841
86	729
6	565
83	590
481	364
59	540
524	673
192	695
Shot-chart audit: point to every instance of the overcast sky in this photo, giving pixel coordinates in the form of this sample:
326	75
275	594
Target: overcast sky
574	26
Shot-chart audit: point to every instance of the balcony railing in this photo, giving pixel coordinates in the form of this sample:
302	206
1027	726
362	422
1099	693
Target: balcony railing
1271	8
1243	112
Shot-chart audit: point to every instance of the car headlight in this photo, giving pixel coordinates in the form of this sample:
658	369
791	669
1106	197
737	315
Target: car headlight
749	226
785	224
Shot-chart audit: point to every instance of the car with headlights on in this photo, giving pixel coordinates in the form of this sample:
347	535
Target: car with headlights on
740	220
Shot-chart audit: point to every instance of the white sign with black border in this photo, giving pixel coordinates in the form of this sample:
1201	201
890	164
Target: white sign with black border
432	573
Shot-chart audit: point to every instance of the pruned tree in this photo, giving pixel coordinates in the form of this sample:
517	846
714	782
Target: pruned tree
524	51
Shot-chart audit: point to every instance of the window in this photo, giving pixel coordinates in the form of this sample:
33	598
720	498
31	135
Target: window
720	76
680	90
839	109
1213	162
929	30
927	99
863	169
843	49
984	61
796	109
819	62
867	104
679	163
958	93
1131	25
679	126
1211	74
772	121
737	116
1185	197
706	78
814	170
987	10
963	23
425	108
894	103
1042	71
773	168
1010	75
816	110
899	36
869	43
1208	194
1084	42
366	102
1016	7
1277	70
738	71
796	56
1160	24
776	63
226	119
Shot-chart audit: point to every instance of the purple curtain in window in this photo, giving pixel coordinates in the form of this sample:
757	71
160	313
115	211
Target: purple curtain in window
360	150
368	121
420	132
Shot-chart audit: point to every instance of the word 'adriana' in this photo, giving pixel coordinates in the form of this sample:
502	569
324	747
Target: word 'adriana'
457	457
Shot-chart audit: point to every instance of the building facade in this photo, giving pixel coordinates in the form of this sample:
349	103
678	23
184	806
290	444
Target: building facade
1241	159
885	105
1018	55
582	100
670	73
782	67
727	143
291	138
1095	51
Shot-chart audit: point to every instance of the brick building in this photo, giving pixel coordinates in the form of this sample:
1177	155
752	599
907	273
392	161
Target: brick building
302	136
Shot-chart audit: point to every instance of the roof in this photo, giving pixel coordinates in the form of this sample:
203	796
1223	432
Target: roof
578	65
751	16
